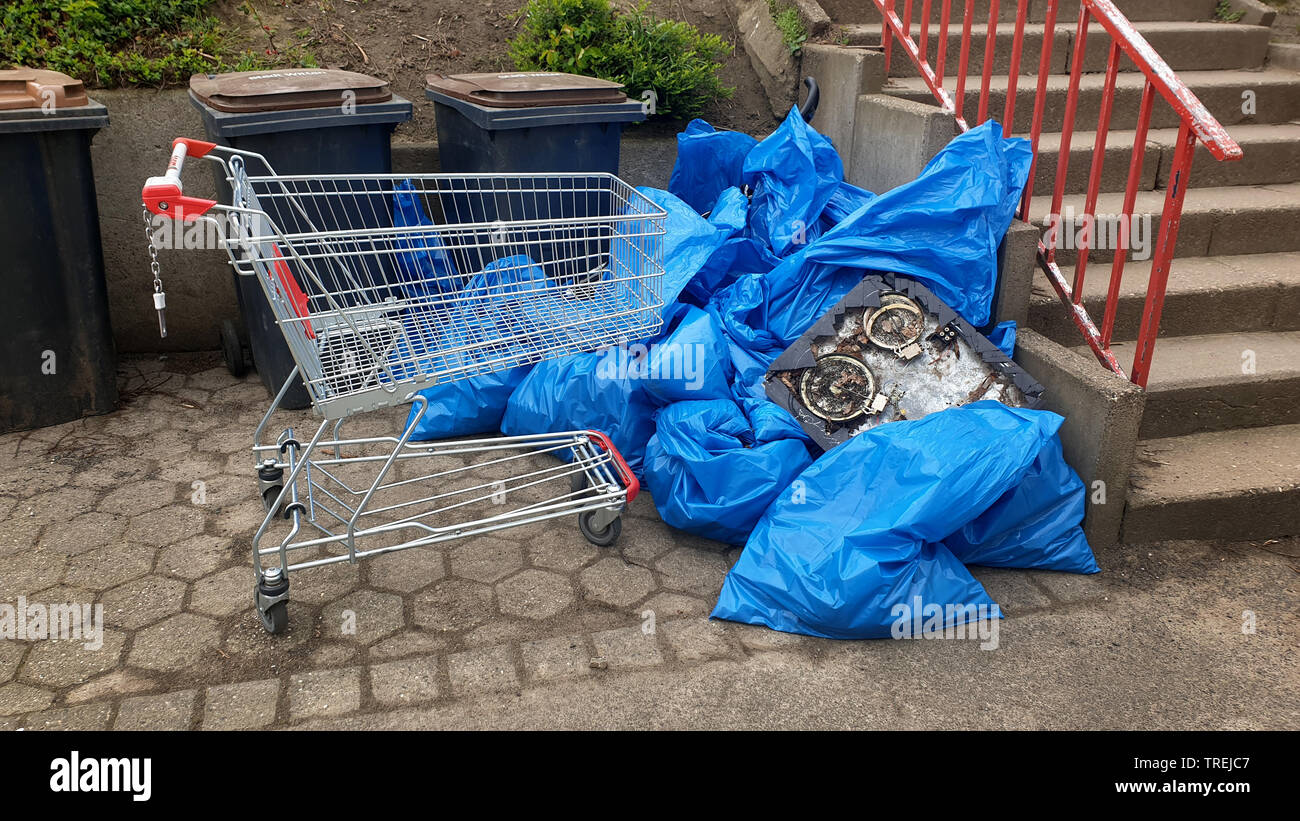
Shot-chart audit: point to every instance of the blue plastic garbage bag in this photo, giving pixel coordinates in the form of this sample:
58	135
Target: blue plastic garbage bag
1035	525
476	403
589	391
708	161
690	241
793	173
689	361
426	268
711	474
859	532
1003	336
734	253
846	199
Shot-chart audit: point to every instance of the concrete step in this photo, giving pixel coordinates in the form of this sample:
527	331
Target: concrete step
1274	98
1270	154
1219	381
1243	293
1185	46
1232	484
1242	219
865	11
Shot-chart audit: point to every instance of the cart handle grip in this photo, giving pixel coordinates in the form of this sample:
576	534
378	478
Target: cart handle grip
629	478
165	195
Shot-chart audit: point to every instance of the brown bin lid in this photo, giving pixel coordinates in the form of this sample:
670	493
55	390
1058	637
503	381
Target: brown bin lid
286	89
522	89
34	87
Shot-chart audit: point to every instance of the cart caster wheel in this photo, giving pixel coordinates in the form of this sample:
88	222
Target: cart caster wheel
600	538
270	495
233	350
276	618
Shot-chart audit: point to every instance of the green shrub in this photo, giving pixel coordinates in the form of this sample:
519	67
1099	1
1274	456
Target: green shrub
786	17
124	42
636	48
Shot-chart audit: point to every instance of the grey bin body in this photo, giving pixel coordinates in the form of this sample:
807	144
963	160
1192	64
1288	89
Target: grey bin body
325	140
57	360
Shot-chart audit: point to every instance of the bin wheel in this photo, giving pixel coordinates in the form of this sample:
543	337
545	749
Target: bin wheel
233	350
600	538
275	618
270	495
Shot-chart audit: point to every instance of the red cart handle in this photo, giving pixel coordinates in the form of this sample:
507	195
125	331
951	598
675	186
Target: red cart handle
165	196
629	478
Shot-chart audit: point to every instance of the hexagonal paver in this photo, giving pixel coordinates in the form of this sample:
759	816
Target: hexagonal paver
166	525
406	571
486	559
223	594
534	594
176	643
116	683
409	643
319	585
19	534
142	601
11	652
615	582
247	705
18	698
674	605
85	532
693	571
698	639
563	657
561	550
28	572
628	648
62	663
407	681
106	567
486	670
364	616
453	604
196	557
59	505
324	693
80	718
139	497
249	640
169	711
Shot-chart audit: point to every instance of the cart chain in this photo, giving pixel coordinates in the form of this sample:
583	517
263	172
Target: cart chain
159	297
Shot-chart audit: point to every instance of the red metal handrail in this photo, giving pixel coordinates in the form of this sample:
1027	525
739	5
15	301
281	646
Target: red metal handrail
1196	124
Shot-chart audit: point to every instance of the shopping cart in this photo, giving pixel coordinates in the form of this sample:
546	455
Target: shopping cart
383	285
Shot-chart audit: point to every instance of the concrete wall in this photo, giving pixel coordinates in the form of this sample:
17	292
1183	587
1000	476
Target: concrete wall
893	139
843	75
200	291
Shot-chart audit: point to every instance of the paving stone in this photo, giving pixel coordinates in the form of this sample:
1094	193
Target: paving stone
324	693
364	616
484	670
627	648
238	521
116	683
139	497
698	639
334	654
223	594
501	631
84	532
85	717
674	605
28	572
562	657
761	639
1011	589
11	652
142	601
113	472
176	643
20	534
248	639
1072	587
650	538
561	549
19	698
615	582
534	594
406	571
693	570
407	681
166	525
196	557
58	505
64	663
486	559
321	585
106	567
409	643
169	711
248	705
453	604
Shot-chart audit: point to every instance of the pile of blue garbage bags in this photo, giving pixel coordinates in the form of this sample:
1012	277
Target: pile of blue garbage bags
762	238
